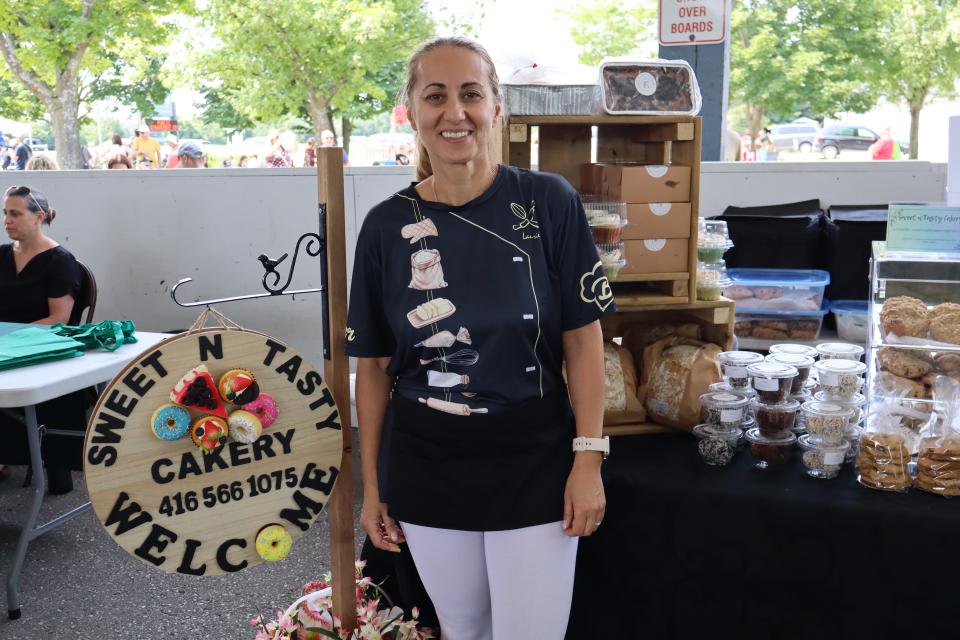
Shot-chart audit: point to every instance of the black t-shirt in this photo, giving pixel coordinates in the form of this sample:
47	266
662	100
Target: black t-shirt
23	153
470	302
50	274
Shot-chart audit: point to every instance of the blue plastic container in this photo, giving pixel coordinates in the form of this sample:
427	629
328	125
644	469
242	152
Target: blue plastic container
852	321
766	290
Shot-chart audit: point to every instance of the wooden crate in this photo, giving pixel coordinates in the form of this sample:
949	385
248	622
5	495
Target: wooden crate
716	324
565	144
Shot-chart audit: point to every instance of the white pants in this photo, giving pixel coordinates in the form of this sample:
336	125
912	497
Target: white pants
497	585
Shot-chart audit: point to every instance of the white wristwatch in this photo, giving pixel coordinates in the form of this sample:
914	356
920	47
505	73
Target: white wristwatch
592	444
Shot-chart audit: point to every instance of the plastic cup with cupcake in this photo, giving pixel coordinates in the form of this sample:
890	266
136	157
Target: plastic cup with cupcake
606	218
611	257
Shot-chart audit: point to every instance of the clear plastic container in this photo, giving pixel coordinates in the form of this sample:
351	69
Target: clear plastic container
840	378
778	325
851	316
713	230
612	258
822	460
827	422
770	453
857	403
606	218
734	365
711	280
717	447
800	425
648	87
774	420
795	349
724	410
771	381
853	439
803	365
839	351
552	100
767	290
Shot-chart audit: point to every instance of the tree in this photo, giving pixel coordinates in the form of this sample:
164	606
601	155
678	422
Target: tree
613	28
309	57
63	51
804	56
921	55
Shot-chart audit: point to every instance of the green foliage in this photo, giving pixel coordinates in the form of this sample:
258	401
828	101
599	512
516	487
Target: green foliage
308	57
203	129
109	125
16	103
613	28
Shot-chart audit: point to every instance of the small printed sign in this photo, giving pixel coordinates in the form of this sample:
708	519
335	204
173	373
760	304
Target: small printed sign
923	227
691	22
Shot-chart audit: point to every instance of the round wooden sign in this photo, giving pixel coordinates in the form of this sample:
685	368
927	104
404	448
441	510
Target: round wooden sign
197	508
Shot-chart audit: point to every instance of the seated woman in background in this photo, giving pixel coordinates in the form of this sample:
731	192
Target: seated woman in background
39	283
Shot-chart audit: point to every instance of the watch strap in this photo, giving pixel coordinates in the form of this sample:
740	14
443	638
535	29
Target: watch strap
592	444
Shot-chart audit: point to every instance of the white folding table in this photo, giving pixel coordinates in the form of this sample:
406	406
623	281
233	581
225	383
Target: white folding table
27	387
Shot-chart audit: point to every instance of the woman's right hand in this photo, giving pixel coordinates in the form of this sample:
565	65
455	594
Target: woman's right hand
383	531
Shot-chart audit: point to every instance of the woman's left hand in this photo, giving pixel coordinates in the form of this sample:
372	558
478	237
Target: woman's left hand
584	502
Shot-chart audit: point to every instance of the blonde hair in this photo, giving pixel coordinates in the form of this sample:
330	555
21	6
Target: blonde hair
40	162
424	168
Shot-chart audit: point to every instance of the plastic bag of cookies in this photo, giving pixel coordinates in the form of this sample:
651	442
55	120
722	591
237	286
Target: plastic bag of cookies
938	464
887	446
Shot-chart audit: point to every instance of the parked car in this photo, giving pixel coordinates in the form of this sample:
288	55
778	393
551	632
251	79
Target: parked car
797	135
830	141
38	145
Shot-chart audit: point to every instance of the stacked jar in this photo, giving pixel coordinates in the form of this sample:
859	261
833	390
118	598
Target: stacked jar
724	413
799	391
713	240
841	376
733	366
607	219
771	441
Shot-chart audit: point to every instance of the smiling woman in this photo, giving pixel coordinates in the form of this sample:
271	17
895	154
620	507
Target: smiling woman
483	460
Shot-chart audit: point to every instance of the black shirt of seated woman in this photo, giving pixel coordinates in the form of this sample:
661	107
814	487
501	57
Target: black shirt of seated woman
39	283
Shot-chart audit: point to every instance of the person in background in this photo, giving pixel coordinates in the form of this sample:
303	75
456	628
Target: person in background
191	156
173	157
496	550
39	284
882	149
42	162
277	156
6	152
327	139
22	153
117	147
119	162
243	162
310	153
145	150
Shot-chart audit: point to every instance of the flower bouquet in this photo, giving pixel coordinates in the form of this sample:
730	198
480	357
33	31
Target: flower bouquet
310	617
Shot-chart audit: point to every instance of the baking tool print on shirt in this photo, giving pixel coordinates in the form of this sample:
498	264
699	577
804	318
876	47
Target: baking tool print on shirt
446	379
417	231
445	339
427	271
431	311
454	408
528	220
462	358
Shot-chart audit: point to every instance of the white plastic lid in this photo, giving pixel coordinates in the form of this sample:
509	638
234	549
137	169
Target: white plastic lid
754	436
840	350
714	432
772	370
810	444
793	359
856	400
797	349
841	367
826	408
739	358
723	400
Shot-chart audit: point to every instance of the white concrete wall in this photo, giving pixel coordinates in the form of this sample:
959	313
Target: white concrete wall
141	231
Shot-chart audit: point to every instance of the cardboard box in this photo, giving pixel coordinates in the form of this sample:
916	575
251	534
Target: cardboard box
657	220
645	183
662	255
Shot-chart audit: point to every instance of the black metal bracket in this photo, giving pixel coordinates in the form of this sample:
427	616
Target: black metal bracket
316	246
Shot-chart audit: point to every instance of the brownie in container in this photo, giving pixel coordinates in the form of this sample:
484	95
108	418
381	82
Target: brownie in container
775	420
803	365
772	381
771	453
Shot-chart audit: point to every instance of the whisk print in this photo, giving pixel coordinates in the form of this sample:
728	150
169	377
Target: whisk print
462	358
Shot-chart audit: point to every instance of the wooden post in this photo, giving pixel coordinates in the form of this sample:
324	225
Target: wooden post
336	372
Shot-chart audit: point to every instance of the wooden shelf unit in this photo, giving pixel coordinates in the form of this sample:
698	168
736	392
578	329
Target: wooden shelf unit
564	144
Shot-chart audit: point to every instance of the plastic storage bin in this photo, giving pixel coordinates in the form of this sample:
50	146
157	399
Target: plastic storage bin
648	87
779	325
852	323
777	289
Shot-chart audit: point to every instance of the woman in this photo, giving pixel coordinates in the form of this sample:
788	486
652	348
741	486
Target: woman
41	162
119	162
310	153
39	284
464	355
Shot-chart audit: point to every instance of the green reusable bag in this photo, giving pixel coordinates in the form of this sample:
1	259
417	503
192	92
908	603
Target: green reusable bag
33	345
109	334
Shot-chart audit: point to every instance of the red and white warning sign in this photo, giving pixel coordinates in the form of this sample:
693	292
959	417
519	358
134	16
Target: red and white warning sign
690	22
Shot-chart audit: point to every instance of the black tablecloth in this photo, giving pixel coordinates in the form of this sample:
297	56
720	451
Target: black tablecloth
689	551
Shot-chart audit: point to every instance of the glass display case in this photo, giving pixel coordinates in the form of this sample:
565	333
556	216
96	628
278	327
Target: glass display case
914	327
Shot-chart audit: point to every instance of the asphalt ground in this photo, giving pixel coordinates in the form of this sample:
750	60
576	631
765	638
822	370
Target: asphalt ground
77	583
